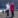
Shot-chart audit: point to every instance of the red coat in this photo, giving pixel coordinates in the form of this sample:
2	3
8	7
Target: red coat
12	7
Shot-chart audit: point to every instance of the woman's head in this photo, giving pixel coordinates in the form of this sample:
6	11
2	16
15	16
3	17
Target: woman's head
12	3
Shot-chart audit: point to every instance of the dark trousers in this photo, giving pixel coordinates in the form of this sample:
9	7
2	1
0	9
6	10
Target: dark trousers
12	14
7	12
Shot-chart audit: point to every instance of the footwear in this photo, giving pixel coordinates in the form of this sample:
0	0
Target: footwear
7	17
10	17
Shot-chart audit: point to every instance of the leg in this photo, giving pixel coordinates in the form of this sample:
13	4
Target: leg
7	12
12	14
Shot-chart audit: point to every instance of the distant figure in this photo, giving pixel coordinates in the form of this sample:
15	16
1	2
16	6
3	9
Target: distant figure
12	8
3	10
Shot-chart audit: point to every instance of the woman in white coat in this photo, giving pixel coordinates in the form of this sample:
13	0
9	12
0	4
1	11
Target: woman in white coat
7	9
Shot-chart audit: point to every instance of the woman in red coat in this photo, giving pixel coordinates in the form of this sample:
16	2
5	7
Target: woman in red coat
12	8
